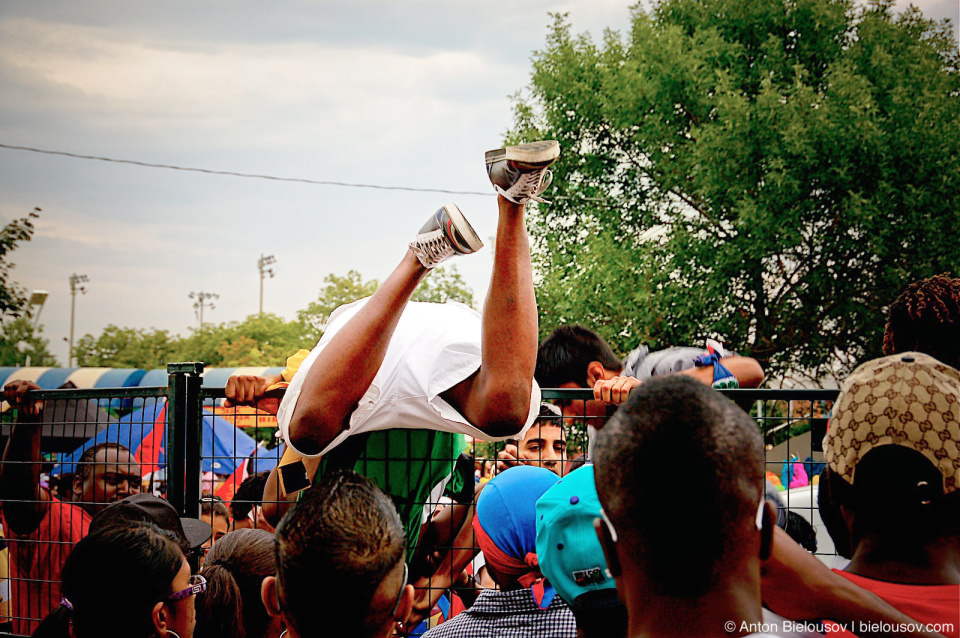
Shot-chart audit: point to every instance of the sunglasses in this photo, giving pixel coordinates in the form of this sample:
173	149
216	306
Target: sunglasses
403	585
198	585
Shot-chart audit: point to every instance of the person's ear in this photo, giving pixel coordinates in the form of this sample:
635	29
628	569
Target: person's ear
77	485
159	616
766	530
609	547
270	596
406	605
596	372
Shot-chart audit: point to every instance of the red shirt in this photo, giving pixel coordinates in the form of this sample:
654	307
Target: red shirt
36	560
934	604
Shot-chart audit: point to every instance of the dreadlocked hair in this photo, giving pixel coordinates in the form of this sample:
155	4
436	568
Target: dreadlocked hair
926	318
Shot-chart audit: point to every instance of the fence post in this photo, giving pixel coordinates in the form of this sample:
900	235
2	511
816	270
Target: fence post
184	429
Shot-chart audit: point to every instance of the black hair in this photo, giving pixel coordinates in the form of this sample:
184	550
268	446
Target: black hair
334	548
800	530
549	416
234	569
676	438
896	499
115	576
563	356
926	318
211	506
248	494
89	457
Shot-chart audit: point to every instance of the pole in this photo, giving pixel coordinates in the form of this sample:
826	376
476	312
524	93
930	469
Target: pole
75	281
262	263
202	300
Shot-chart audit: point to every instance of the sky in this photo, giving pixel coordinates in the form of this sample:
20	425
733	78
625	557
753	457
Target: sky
396	93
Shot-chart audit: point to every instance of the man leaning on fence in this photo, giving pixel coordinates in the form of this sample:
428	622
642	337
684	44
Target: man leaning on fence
41	529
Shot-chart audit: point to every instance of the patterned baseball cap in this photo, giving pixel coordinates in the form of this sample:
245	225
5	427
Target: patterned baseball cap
908	399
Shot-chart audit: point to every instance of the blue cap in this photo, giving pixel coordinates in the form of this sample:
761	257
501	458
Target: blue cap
570	553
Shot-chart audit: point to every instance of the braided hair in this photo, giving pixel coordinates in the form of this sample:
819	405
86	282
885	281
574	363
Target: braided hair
926	318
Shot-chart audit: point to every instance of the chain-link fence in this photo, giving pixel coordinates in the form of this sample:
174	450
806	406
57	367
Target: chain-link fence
227	466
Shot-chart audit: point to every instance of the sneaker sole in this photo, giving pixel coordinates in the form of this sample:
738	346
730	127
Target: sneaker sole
544	153
464	228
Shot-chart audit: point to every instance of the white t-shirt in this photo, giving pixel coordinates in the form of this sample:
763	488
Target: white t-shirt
434	347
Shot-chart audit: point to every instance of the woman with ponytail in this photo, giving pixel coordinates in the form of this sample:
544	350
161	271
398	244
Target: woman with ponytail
234	570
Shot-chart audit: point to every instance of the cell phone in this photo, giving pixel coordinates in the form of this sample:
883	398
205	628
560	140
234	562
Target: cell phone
293	477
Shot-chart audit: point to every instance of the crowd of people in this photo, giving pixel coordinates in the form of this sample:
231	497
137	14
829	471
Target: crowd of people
345	536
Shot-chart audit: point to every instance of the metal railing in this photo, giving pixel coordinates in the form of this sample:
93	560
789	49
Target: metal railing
192	464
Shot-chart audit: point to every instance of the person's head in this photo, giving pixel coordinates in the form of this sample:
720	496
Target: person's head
505	526
571	556
129	581
544	444
106	473
575	357
189	533
340	561
672	439
235	569
245	506
892	481
214	512
570	355
926	318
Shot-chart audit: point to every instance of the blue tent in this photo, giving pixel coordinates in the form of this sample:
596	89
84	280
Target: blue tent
223	446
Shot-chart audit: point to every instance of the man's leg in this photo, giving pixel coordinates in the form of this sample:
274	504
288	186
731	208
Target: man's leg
497	398
346	367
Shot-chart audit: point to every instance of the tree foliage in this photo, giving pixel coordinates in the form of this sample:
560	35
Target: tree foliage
258	340
770	172
126	348
12	299
20	340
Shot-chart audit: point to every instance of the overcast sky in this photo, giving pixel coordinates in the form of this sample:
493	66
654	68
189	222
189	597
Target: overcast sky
404	93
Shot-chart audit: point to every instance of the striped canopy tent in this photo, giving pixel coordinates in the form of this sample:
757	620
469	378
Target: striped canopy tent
53	378
46	378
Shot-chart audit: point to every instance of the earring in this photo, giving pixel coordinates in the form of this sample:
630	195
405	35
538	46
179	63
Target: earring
175	634
283	633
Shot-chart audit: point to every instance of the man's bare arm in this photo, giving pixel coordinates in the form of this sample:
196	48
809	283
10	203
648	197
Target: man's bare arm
796	585
24	503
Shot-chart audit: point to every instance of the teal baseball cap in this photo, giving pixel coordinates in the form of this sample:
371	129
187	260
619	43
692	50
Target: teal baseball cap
569	551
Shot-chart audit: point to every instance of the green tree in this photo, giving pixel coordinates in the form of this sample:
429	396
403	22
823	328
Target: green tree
770	172
336	291
12	300
443	285
126	348
20	340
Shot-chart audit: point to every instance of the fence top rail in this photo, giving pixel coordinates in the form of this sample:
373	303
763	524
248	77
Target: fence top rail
553	394
773	394
98	393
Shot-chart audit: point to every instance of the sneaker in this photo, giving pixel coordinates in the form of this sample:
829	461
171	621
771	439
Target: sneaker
446	233
520	173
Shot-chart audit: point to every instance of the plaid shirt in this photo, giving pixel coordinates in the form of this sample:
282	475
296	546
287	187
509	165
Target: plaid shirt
509	614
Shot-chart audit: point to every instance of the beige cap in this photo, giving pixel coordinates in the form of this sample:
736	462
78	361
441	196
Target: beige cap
908	399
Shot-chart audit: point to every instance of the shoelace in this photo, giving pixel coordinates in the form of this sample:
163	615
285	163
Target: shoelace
434	247
529	186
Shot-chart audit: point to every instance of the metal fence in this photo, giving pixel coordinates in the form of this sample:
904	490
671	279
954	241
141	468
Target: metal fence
204	458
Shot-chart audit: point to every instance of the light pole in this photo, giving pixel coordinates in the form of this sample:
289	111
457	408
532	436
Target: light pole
75	285
38	298
262	264
203	299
